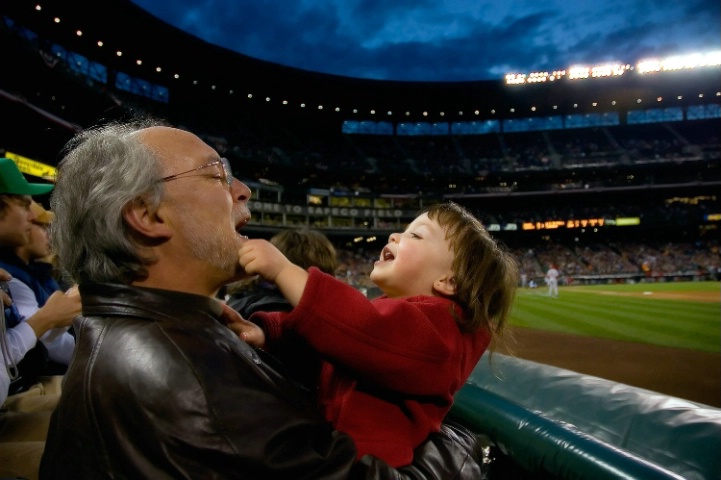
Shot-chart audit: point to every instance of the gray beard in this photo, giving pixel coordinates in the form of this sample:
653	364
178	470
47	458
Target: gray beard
219	249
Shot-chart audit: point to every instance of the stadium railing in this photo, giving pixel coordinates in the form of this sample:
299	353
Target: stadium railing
555	423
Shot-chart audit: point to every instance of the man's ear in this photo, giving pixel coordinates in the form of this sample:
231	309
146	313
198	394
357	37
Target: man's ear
143	221
445	285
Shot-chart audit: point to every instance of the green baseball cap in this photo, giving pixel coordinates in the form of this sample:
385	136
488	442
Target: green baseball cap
12	181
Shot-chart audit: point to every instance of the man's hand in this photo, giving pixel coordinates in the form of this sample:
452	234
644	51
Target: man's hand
59	311
5	277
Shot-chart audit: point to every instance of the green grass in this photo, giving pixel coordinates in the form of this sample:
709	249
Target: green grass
635	313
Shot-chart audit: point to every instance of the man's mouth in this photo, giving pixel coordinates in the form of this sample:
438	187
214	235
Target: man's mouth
242	222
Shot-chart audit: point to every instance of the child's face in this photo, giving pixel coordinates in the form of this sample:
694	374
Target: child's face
415	262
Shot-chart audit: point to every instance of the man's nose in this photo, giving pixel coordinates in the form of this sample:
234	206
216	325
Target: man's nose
240	191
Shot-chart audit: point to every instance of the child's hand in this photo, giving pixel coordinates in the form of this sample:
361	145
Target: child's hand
260	257
247	331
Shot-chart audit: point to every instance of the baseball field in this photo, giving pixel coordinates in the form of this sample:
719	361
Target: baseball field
664	337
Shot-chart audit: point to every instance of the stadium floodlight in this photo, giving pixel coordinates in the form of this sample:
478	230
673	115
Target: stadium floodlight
644	66
680	62
608	70
579	71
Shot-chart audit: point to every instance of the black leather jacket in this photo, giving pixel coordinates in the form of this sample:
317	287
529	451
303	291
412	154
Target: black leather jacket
159	388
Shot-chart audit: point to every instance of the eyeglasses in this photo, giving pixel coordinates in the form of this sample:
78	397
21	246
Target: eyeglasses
224	170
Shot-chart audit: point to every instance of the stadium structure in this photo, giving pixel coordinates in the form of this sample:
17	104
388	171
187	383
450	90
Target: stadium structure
348	155
601	153
585	155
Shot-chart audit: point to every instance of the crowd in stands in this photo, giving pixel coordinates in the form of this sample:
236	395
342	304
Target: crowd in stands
610	262
402	164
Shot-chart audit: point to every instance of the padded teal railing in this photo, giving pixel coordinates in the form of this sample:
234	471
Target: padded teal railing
588	428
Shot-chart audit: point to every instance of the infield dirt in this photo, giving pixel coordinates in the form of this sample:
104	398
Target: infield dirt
678	372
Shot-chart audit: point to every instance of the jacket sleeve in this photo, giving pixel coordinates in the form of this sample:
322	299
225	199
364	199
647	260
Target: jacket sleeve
23	298
4	381
21	339
59	343
411	346
454	452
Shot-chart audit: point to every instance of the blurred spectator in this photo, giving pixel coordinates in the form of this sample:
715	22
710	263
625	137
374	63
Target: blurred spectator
28	397
305	248
33	283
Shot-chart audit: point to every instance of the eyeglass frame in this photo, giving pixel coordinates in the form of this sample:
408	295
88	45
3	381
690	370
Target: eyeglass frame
224	169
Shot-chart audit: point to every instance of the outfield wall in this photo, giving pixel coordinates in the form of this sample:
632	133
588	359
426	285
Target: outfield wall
640	277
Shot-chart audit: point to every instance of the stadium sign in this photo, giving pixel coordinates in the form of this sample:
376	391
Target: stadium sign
310	210
32	167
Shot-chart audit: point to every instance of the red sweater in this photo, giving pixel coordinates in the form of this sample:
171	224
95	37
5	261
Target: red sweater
391	365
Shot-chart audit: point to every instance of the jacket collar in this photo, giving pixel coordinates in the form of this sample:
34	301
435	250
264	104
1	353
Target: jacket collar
107	299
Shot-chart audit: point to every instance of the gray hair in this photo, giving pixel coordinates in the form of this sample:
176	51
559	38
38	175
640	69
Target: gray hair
104	170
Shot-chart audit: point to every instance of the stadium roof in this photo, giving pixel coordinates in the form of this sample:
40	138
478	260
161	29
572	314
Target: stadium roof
198	73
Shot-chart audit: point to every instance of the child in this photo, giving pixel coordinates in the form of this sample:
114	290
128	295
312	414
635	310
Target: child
393	364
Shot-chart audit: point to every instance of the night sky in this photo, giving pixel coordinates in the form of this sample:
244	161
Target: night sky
449	40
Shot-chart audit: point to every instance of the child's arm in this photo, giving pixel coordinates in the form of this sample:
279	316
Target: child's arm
260	257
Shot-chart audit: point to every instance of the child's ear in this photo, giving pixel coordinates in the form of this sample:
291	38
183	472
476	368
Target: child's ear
445	285
142	220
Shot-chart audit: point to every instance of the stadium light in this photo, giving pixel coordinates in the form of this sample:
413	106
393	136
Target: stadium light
644	66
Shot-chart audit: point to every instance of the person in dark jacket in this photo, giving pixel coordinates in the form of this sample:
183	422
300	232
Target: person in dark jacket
147	220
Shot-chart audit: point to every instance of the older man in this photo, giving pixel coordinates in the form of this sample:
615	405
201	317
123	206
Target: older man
147	220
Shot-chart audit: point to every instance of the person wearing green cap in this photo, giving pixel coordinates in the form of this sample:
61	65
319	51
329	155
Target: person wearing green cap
25	416
16	220
13	182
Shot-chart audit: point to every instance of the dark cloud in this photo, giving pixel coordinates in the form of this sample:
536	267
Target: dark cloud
446	41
